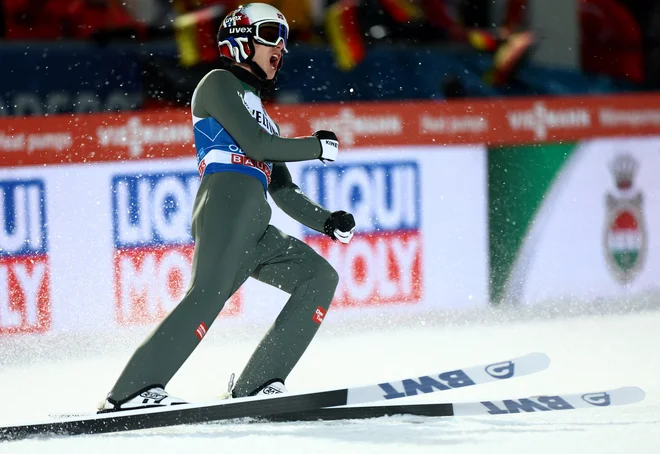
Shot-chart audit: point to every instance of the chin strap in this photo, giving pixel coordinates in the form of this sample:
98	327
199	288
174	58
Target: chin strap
260	83
261	74
258	70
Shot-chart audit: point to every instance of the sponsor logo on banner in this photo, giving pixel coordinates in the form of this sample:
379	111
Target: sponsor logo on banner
137	135
612	117
382	264
353	125
625	236
542	119
465	124
153	245
24	266
116	136
31	143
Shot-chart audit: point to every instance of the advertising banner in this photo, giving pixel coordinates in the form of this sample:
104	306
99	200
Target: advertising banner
95	209
421	232
167	134
586	227
152	245
24	259
384	261
107	245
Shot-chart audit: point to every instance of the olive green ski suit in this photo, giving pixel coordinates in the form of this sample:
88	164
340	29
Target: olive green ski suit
241	158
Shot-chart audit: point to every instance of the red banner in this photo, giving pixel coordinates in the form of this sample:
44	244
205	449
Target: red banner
150	282
167	134
25	295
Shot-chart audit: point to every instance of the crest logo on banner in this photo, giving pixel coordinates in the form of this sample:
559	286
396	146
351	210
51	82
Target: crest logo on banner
625	237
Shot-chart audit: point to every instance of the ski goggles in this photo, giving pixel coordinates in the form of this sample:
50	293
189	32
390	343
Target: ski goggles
271	34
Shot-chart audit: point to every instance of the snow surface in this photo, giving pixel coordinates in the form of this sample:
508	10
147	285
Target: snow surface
589	353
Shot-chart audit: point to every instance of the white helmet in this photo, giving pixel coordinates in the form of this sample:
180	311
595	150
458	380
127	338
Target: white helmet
249	23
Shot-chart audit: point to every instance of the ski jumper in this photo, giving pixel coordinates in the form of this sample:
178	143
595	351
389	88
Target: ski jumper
241	158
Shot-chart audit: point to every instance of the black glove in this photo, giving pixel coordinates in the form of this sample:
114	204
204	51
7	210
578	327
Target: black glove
329	145
340	226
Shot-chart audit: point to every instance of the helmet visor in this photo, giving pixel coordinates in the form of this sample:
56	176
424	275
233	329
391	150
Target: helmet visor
271	34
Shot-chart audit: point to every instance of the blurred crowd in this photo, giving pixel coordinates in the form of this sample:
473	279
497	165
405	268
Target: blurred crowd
620	38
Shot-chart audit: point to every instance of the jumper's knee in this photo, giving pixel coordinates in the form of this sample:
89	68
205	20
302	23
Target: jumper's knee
323	275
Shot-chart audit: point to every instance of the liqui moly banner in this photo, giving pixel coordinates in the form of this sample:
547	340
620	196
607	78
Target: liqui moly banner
383	262
152	244
24	264
117	249
414	249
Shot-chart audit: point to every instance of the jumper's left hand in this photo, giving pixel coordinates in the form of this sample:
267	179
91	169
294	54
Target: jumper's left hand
340	226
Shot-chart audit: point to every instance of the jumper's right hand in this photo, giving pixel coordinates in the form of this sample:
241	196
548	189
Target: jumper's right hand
329	145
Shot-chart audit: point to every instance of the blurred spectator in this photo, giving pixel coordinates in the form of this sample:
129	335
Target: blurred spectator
75	19
2	19
299	15
34	19
647	15
100	18
153	13
611	41
652	46
354	24
189	6
452	88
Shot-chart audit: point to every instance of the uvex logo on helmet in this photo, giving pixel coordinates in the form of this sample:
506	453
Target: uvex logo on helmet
232	19
243	30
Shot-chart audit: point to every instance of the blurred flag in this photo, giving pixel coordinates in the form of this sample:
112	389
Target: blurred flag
482	40
343	29
508	57
402	10
195	34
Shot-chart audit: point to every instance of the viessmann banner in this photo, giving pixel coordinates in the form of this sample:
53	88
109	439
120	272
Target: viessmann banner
157	135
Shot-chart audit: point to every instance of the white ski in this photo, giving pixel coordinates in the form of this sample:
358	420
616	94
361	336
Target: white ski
269	405
556	402
615	397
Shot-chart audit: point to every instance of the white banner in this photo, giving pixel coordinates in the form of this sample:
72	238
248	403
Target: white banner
94	247
597	234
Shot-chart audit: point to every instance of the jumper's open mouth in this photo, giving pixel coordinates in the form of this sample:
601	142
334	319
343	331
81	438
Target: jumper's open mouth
274	60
